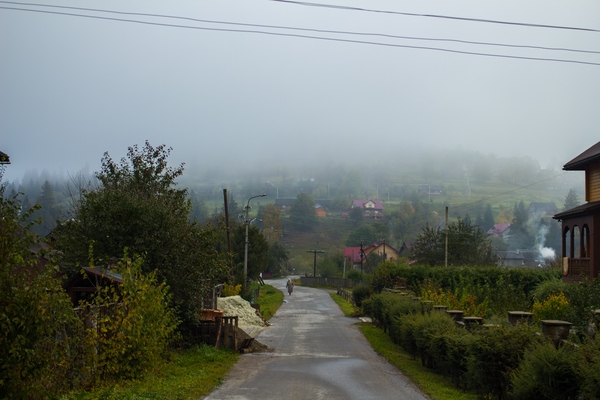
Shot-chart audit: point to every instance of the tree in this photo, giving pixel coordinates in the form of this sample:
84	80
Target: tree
520	237
40	330
366	234
571	200
467	245
48	211
302	214
258	250
272	225
488	219
278	256
138	207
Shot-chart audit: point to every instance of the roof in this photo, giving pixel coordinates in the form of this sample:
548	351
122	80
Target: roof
361	203
498	229
352	253
581	161
4	158
584	209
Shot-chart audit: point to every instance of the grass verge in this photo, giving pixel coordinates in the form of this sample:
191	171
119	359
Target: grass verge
437	387
347	308
269	299
189	374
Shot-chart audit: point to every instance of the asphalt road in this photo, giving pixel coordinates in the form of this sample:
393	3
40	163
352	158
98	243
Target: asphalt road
317	354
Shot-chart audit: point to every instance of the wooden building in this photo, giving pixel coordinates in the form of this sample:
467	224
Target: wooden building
580	247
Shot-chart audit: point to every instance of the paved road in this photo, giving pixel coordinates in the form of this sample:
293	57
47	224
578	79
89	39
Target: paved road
318	354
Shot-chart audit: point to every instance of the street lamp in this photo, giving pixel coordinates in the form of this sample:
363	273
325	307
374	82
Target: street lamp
247	222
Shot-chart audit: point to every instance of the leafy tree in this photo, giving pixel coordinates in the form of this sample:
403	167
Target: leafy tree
302	214
365	234
40	331
272	225
571	200
356	214
468	245
258	250
138	207
278	256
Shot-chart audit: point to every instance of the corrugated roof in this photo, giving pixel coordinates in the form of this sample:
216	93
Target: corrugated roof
581	161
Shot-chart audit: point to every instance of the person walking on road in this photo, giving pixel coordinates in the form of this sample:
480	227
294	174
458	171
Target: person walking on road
290	286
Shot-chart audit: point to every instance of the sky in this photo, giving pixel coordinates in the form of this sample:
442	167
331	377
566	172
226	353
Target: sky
240	83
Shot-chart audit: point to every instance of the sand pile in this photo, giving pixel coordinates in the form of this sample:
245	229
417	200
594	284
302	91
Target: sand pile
236	306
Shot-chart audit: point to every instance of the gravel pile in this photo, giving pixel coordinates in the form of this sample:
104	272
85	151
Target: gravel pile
235	305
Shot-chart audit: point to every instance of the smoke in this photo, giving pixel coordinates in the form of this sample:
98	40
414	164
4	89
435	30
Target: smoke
540	231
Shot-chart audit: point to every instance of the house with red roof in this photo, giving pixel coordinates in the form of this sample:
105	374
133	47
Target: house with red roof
371	208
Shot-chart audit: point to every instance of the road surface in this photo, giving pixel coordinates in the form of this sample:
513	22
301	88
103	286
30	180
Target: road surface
317	354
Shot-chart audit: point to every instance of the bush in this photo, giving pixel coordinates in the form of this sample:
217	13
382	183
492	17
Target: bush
130	325
494	354
360	293
231	290
548	373
39	331
556	306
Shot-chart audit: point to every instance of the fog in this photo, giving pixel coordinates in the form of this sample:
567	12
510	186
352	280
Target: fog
231	97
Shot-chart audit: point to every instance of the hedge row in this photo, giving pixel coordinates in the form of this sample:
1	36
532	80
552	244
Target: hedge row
500	289
500	361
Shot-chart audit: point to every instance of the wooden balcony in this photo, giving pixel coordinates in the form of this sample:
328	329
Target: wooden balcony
578	269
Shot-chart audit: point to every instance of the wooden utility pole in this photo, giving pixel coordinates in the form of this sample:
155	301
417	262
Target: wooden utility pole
446	264
228	235
315	264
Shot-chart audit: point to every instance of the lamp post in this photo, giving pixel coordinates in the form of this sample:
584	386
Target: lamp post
247	222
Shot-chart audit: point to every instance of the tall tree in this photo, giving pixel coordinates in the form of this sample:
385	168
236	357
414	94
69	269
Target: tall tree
302	214
137	207
488	218
271	220
468	245
571	200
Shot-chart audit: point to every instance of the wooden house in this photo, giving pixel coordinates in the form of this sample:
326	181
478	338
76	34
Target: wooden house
580	248
382	249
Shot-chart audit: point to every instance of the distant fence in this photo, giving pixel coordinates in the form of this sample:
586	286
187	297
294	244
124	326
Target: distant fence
336	282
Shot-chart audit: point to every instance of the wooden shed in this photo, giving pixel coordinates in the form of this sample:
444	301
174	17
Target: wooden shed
81	285
580	247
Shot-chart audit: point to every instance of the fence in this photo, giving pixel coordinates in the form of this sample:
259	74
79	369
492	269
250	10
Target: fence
336	282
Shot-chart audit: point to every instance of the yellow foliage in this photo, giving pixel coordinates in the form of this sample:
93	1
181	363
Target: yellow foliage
556	306
230	290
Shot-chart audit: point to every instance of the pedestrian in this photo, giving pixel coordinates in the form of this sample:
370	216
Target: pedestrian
290	286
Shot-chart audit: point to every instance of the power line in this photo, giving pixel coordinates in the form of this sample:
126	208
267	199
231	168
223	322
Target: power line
473	53
489	21
307	29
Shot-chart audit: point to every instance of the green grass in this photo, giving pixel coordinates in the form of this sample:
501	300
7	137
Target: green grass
347	308
435	386
269	299
189	374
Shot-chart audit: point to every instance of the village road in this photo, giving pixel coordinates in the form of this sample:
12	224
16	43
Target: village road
317	354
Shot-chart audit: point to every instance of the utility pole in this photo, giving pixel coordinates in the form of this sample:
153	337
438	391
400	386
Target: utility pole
315	263
247	222
228	236
362	255
446	237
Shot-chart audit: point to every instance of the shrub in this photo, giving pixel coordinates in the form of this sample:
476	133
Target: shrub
556	306
231	290
547	372
130	326
360	293
494	354
587	366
